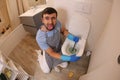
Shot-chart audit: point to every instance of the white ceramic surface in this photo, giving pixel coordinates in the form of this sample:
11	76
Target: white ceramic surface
34	10
78	26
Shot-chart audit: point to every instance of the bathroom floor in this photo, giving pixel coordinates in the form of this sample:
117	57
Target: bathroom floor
24	54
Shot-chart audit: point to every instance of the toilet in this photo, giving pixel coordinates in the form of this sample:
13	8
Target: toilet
79	26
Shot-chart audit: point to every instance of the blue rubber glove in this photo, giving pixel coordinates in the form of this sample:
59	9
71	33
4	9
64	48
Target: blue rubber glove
71	58
73	38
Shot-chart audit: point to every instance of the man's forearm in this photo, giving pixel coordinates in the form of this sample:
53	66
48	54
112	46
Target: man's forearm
65	31
52	53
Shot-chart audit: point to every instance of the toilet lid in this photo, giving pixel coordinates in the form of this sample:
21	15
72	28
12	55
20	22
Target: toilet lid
79	25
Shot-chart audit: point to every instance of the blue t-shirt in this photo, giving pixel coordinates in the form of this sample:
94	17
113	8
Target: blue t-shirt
41	36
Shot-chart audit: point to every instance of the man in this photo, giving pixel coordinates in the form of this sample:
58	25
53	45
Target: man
49	40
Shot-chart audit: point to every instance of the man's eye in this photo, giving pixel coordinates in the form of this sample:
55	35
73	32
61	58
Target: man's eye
53	18
47	18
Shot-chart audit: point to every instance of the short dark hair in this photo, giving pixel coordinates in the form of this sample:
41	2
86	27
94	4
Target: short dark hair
49	10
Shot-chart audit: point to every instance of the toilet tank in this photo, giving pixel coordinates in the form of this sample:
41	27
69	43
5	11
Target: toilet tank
79	25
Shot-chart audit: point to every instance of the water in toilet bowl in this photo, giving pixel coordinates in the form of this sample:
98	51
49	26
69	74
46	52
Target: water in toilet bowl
71	51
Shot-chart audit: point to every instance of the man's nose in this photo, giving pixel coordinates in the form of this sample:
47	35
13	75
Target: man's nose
50	20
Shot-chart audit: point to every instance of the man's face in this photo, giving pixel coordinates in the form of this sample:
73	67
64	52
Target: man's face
49	21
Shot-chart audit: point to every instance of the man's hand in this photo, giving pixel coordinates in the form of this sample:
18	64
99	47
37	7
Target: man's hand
73	38
71	58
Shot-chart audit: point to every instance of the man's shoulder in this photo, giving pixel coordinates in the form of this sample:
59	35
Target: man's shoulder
40	33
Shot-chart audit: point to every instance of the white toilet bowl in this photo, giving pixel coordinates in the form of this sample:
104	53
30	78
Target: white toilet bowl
78	26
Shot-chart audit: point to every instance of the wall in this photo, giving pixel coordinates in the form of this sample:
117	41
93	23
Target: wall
103	63
98	19
13	13
98	15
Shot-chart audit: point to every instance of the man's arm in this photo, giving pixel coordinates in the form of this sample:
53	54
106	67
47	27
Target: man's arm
52	53
71	58
64	31
69	35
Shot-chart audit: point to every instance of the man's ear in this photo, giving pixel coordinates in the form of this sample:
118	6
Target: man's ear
42	19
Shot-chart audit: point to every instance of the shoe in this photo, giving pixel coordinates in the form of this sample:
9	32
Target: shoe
63	65
58	68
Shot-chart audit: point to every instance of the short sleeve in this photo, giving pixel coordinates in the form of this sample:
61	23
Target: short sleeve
41	40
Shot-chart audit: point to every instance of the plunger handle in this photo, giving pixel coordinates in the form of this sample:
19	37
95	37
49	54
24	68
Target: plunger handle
74	46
